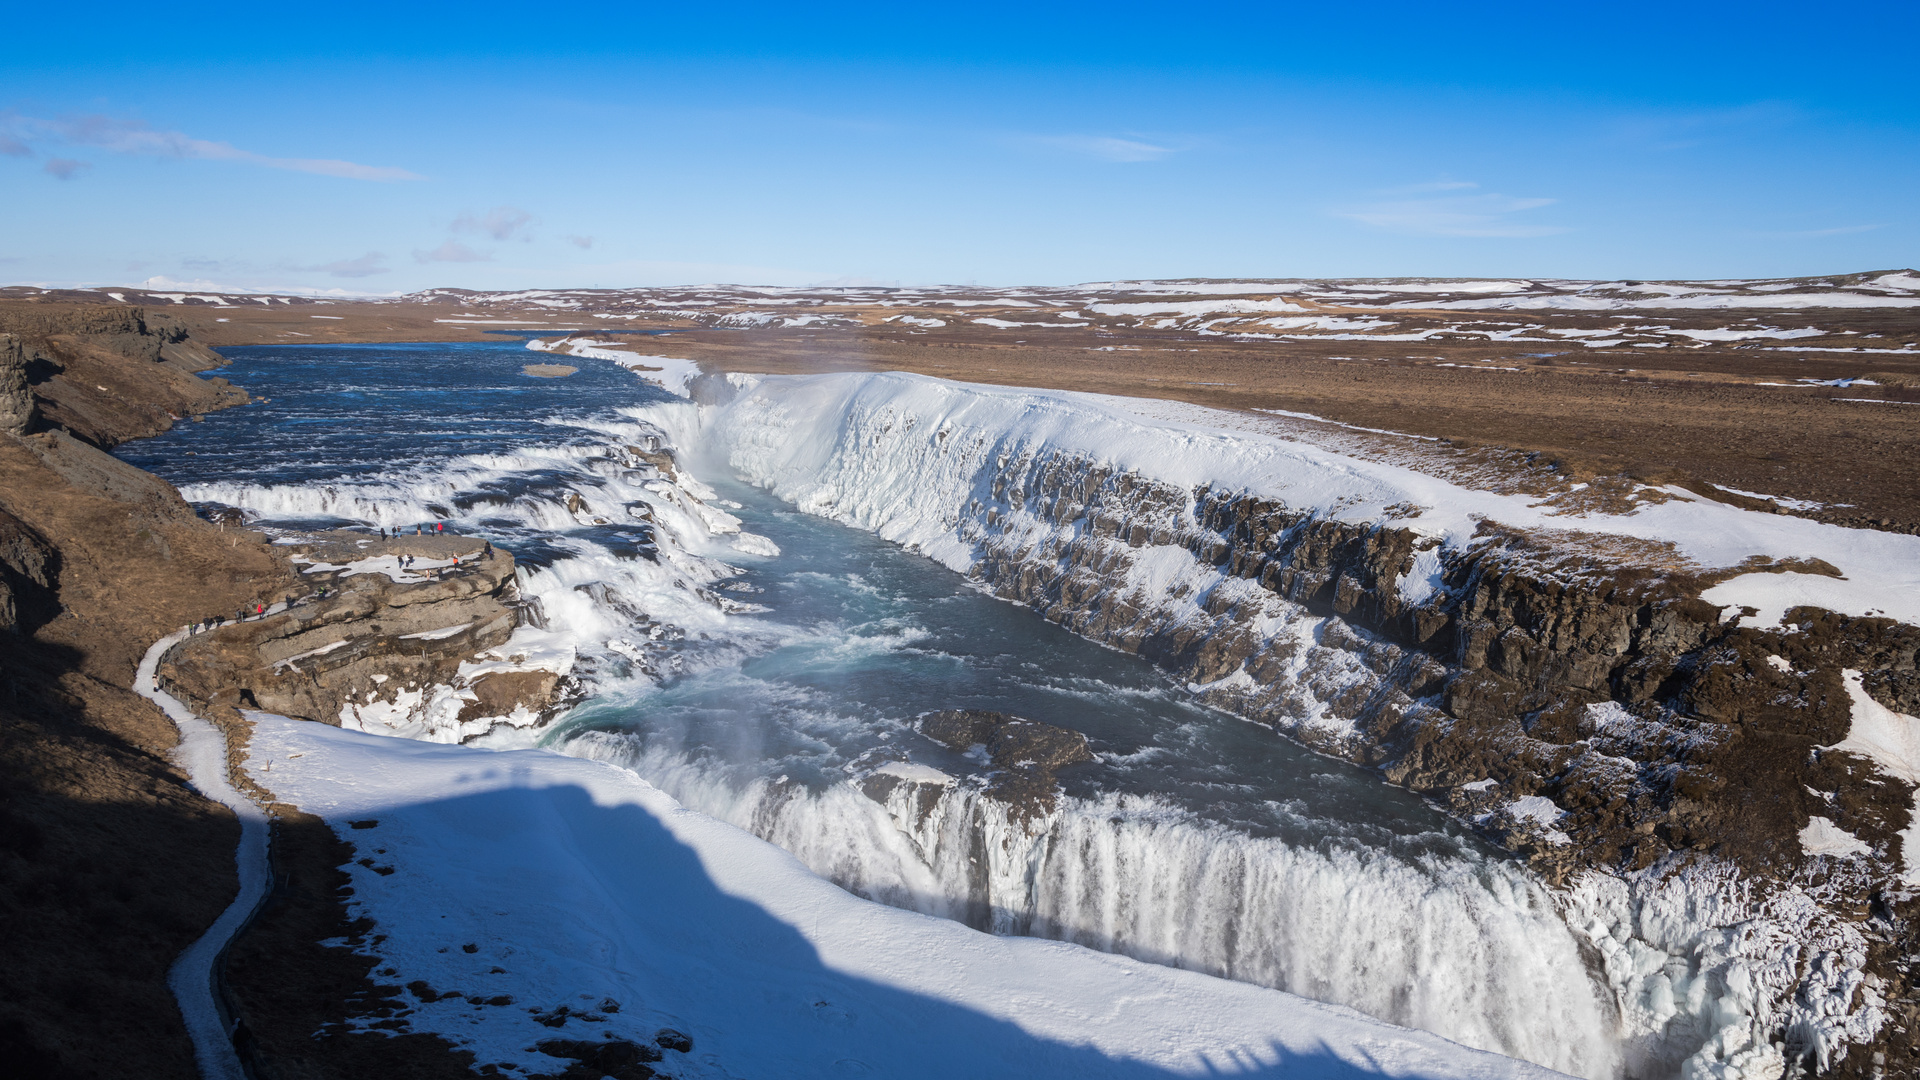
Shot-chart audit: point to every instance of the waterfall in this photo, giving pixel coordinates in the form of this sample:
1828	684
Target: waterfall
1470	949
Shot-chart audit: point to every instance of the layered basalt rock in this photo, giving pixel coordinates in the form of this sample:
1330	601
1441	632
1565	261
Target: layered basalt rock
1579	704
363	642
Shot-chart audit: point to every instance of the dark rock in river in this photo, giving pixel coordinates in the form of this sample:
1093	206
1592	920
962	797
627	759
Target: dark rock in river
1026	755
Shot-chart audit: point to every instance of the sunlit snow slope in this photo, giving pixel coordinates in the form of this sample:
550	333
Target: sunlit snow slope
574	882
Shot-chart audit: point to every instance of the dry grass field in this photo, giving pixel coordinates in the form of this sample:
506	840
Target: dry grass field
1804	392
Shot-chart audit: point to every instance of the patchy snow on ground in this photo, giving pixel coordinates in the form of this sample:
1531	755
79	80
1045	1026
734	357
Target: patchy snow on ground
389	565
671	372
1890	740
556	881
1823	837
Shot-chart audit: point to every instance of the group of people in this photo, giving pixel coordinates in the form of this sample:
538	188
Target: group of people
259	609
240	614
439	528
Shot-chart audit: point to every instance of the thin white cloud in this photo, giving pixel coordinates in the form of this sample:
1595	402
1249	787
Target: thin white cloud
1432	186
64	168
1483	214
13	147
1104	147
1844	230
501	222
582	242
135	138
452	251
373	262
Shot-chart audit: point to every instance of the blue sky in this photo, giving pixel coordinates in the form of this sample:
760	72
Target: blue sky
383	148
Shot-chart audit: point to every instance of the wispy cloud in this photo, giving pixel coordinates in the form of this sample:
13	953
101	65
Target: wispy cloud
19	134
582	242
1103	147
1681	130
452	251
64	168
373	262
501	222
1478	214
1844	230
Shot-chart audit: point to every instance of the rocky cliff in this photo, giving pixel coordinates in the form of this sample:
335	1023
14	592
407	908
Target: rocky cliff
372	642
1705	789
103	373
110	863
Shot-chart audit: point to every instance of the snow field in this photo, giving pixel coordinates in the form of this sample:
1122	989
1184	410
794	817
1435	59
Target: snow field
582	883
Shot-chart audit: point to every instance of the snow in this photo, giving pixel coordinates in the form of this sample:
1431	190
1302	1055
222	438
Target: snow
1702	300
914	772
1535	808
1003	324
1541	811
1743	335
675	374
377	564
1196	308
1773	595
1823	837
1791	504
580	883
1890	740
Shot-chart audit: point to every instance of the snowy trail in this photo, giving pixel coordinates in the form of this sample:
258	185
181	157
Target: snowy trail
203	754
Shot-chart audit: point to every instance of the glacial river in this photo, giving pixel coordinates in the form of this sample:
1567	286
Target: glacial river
1194	839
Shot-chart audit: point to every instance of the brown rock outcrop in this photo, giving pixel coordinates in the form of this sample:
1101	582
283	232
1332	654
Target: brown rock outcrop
108	373
356	640
1026	755
16	400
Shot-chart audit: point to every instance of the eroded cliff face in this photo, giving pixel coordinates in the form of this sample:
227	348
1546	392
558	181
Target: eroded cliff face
103	373
1654	723
1591	714
1724	837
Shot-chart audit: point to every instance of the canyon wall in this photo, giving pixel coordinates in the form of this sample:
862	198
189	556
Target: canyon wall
1703	787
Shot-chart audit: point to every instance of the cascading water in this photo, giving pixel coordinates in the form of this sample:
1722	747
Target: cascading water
1192	840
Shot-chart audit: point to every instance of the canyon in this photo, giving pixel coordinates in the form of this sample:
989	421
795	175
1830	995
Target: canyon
1631	686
